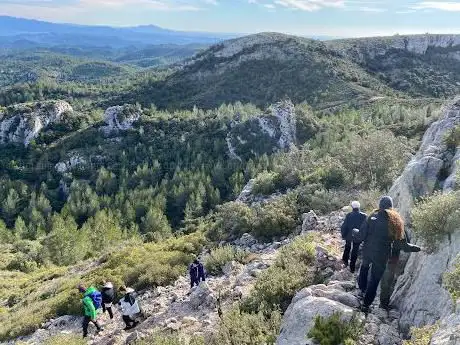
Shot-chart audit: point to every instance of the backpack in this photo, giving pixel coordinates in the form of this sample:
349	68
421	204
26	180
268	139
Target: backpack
96	297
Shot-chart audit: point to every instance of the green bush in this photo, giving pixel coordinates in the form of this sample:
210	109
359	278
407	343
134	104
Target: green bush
436	217
237	327
291	272
266	183
335	331
452	139
219	257
452	280
232	220
421	336
276	219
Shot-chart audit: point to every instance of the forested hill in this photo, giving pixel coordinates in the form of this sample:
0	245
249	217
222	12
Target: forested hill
262	68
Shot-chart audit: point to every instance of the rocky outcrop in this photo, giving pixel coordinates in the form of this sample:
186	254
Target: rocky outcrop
23	123
419	294
362	49
265	133
424	173
120	118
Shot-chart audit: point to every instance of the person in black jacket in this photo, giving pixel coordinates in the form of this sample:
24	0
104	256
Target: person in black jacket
353	220
381	231
388	280
197	274
108	296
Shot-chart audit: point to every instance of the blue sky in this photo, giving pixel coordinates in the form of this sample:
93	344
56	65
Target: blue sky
345	18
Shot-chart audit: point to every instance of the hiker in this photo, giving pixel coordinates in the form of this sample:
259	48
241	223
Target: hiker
388	280
197	274
108	296
381	230
353	220
130	309
92	301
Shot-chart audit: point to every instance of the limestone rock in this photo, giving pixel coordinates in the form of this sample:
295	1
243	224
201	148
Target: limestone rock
120	118
202	296
420	177
24	122
310	222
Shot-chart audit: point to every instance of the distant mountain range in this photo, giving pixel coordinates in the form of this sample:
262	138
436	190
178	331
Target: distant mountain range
28	33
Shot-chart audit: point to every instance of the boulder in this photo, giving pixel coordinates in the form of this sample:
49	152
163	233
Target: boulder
310	222
202	296
317	300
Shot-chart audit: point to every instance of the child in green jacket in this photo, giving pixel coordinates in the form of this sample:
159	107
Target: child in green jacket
91	301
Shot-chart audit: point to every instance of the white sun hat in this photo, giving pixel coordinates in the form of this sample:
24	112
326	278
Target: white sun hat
355	204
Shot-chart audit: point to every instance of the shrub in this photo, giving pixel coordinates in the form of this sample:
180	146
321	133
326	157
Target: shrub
237	327
452	280
291	272
232	220
421	336
219	257
276	219
266	183
436	217
452	139
334	330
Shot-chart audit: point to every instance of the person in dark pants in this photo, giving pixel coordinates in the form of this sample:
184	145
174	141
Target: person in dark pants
130	308
353	220
197	273
108	296
388	280
381	230
90	295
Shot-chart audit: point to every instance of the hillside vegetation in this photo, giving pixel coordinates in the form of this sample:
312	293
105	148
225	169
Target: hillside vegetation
131	193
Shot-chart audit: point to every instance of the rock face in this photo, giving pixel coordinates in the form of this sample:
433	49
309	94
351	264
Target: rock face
360	49
23	123
264	133
419	294
120	118
423	174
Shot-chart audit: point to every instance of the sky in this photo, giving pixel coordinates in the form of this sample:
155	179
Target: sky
338	18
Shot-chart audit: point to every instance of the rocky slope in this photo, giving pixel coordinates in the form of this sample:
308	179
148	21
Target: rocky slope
23	123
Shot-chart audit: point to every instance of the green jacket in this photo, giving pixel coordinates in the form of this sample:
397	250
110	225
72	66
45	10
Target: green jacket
88	305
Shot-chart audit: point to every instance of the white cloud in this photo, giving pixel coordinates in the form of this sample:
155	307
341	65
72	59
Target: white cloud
438	5
310	5
371	9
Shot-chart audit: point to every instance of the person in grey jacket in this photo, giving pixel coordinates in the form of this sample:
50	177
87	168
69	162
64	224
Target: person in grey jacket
353	220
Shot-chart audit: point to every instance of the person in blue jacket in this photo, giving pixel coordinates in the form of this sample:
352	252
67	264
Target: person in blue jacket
353	220
197	273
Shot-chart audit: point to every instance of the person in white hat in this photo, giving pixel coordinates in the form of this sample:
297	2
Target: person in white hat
129	307
353	220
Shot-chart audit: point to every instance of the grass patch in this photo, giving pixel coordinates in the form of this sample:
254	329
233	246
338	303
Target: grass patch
421	336
451	280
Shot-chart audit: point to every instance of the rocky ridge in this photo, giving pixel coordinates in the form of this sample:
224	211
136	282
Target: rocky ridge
278	128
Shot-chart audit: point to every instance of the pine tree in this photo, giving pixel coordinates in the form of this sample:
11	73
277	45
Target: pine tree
65	243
